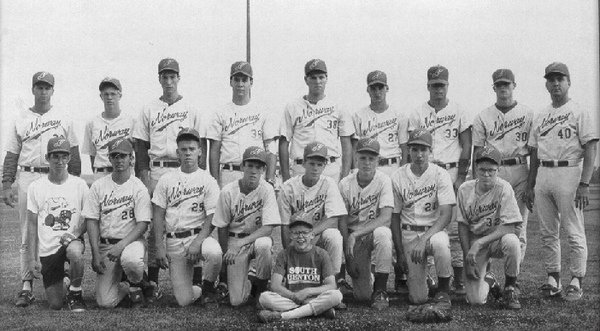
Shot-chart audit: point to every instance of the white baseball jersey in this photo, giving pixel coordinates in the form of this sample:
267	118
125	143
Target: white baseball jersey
239	127
325	122
58	209
187	198
246	213
160	123
560	133
31	132
444	126
507	132
99	132
312	204
118	207
484	212
421	196
363	204
390	128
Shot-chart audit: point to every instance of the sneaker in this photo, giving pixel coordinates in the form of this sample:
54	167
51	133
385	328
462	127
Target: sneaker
137	298
341	306
551	291
329	314
442	299
380	300
208	298
152	292
573	293
267	316
344	287
495	289
511	298
458	287
401	284
431	286
222	293
24	299
75	301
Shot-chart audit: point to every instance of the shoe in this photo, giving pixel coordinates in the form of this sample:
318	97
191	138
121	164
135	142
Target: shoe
137	298
75	301
495	289
458	287
222	293
329	314
511	298
431	285
24	299
267	316
380	300
442	299
551	291
341	306
152	292
573	293
344	287
401	284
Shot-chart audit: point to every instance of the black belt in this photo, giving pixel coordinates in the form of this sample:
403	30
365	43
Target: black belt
183	234
447	166
514	161
233	167
388	161
104	169
109	241
238	235
43	170
416	228
564	163
330	159
166	164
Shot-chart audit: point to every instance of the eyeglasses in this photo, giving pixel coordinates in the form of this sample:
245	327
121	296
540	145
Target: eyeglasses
296	234
489	171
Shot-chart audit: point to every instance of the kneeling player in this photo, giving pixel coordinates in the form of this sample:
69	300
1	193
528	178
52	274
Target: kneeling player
423	200
369	199
245	215
54	204
303	282
117	213
184	204
487	224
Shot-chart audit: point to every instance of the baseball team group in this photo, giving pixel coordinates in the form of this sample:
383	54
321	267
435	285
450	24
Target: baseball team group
430	194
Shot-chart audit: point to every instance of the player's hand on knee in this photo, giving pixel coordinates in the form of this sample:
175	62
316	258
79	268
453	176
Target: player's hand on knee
471	272
98	265
161	260
352	267
193	252
66	239
9	197
472	254
418	253
233	250
350	245
115	251
582	197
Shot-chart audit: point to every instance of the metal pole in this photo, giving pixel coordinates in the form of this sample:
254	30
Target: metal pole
248	31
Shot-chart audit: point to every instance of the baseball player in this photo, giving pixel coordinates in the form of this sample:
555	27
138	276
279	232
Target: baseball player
369	200
315	117
315	198
303	282
423	200
25	151
117	213
564	138
237	126
155	134
245	216
451	131
184	204
54	204
487	224
111	124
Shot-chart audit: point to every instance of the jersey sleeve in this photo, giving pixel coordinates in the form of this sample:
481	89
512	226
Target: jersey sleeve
346	125
445	193
140	127
270	214
534	132
402	130
143	207
286	127
270	126
91	206
413	120
509	210
88	147
159	196
281	263
222	216
32	204
465	120
386	199
214	128
356	122
13	143
198	123
587	127
71	136
397	191
460	198
478	132
212	195
344	192
334	204
284	203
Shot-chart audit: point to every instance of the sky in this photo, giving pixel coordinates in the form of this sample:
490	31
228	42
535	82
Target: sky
81	42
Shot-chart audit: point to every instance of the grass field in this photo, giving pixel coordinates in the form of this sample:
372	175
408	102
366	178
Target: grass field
537	312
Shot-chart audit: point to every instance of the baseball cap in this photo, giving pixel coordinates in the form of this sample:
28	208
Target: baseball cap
557	68
121	146
368	145
300	222
437	74
168	64
188	132
58	144
503	75
241	67
315	149
376	77
42	77
488	153
315	65
420	137
255	153
110	81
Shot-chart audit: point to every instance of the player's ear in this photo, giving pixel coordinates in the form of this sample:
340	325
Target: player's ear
514	85
306	79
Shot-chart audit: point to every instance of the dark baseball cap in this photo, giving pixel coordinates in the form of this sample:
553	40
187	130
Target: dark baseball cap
42	77
557	68
168	64
315	149
420	137
437	74
503	75
255	153
368	145
110	81
315	65
189	133
376	77
241	67
300	222
488	153
58	144
120	146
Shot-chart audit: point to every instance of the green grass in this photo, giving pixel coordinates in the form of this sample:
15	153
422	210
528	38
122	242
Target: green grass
537	312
